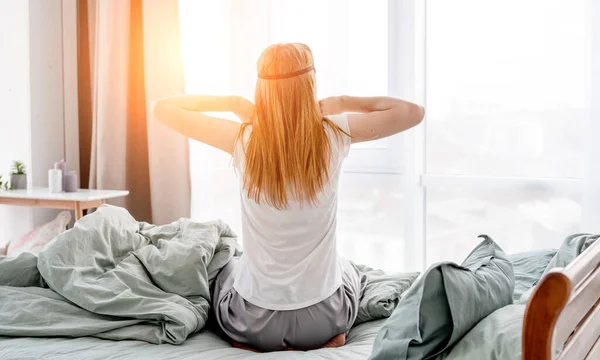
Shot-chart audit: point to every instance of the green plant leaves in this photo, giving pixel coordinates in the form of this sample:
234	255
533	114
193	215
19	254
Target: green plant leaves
3	184
18	168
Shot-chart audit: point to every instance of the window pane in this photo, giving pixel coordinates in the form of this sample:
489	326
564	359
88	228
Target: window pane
519	220
370	227
349	43
506	87
205	74
215	187
348	39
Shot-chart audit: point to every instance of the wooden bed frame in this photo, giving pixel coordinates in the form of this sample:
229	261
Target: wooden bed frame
562	317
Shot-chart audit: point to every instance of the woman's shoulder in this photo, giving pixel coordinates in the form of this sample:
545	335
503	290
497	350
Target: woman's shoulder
341	120
340	139
246	130
240	145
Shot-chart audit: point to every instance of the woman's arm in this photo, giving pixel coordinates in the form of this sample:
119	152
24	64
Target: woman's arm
376	117
183	113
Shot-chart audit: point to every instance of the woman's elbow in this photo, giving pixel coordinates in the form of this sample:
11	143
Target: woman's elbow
159	110
414	115
418	114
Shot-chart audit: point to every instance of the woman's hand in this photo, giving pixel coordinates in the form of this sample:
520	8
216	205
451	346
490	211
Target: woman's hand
244	109
331	105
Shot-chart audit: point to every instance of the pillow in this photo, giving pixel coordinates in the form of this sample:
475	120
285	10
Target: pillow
34	241
497	337
528	268
445	303
571	247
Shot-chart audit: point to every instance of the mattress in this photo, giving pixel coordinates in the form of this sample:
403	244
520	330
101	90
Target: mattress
206	345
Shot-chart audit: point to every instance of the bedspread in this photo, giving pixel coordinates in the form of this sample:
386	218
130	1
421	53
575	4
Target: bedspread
113	277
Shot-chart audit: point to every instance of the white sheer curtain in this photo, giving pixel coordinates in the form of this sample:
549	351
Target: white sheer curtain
502	151
130	55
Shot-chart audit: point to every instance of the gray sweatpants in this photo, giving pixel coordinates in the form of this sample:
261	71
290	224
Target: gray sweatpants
271	330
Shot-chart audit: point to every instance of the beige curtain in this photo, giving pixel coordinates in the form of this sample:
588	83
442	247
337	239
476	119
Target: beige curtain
130	55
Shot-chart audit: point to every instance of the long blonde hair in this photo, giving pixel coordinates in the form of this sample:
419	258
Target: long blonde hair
288	152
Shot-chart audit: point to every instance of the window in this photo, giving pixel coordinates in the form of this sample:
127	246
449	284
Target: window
506	87
506	97
501	152
349	40
519	218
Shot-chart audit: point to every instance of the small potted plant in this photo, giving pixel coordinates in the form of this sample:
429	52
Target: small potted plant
18	176
3	185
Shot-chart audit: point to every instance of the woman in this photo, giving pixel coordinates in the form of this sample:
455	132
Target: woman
290	289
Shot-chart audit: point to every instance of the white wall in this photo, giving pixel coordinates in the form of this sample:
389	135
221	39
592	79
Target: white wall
34	90
14	102
46	93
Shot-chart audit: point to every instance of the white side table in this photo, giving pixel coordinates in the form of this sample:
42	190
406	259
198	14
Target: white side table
76	201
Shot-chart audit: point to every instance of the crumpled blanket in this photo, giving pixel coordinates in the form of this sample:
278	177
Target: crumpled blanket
113	277
116	278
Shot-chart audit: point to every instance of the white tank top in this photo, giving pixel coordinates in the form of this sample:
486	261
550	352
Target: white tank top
290	258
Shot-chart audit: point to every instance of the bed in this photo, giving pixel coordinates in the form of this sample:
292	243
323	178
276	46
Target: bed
555	317
538	319
553	311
